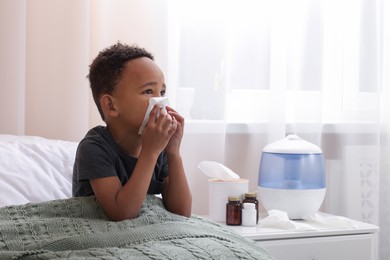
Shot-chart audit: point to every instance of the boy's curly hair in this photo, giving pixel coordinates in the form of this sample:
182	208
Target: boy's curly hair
106	69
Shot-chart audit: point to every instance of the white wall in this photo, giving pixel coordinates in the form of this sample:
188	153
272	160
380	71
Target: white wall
44	60
12	69
56	65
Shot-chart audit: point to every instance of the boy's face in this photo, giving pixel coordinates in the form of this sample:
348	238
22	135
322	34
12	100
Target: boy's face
141	80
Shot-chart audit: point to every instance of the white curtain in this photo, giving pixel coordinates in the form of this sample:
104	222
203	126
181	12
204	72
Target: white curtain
263	69
244	73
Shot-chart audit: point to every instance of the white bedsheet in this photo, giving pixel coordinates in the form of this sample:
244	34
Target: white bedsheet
35	169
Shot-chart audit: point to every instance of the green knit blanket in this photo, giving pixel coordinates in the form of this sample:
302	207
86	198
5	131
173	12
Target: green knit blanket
77	228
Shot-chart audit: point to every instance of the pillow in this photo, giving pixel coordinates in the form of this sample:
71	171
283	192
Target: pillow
35	169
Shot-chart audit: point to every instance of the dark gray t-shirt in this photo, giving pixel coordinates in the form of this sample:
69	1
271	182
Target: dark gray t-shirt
98	156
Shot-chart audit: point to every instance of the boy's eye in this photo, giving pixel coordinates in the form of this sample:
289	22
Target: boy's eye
150	92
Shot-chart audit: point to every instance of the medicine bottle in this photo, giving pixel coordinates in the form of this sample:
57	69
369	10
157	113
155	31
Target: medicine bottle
233	211
250	197
248	214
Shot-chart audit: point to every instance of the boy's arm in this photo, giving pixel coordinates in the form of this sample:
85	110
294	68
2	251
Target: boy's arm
123	202
176	193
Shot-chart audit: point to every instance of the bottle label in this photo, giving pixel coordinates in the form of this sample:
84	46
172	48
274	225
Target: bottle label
249	214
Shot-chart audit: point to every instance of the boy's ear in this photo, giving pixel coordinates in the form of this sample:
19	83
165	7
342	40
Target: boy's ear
107	102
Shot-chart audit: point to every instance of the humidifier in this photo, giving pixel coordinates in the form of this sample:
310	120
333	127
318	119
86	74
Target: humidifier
291	177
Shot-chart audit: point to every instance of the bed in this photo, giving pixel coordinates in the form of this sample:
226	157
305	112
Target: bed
40	220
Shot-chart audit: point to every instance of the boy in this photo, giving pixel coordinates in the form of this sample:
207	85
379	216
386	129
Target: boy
115	163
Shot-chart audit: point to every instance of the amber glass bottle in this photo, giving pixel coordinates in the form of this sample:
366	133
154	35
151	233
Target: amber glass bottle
233	211
250	197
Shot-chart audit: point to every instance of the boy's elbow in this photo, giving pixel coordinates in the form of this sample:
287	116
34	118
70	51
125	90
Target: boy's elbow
187	214
184	210
188	210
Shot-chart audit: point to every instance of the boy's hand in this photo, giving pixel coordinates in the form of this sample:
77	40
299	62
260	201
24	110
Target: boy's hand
175	141
158	131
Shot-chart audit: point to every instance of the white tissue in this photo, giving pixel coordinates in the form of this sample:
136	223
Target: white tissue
279	219
333	221
162	101
217	171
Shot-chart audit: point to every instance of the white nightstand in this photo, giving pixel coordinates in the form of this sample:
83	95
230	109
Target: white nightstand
358	242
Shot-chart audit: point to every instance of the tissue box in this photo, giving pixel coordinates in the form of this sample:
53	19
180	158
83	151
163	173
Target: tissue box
219	191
